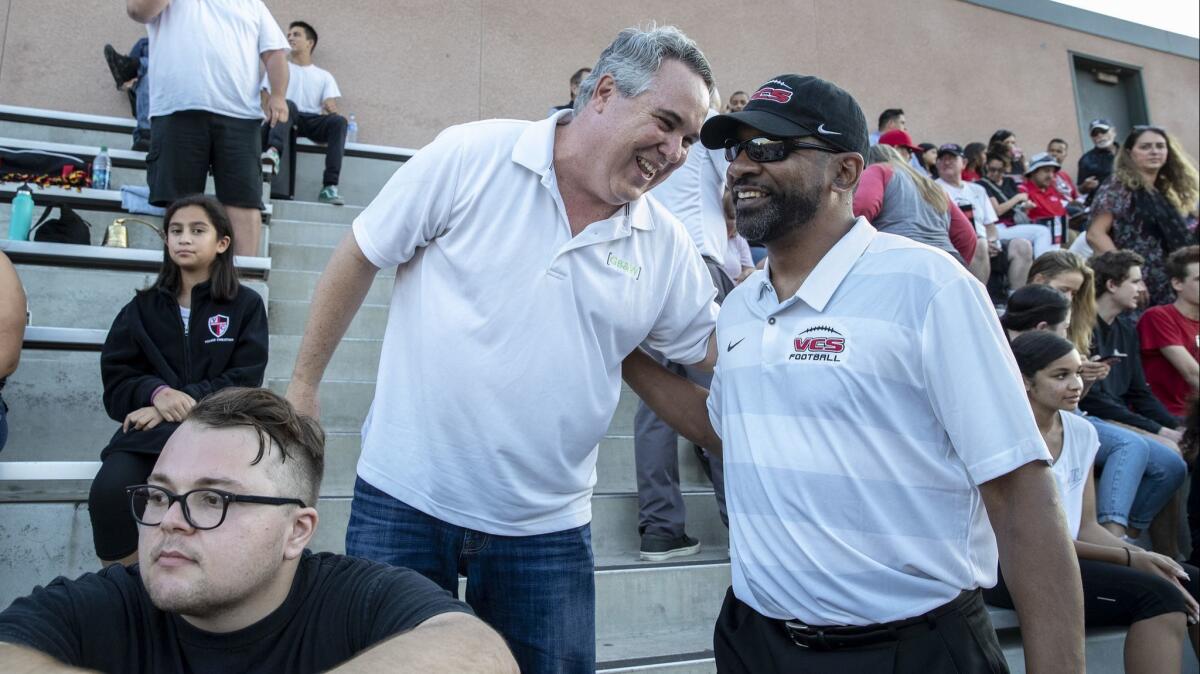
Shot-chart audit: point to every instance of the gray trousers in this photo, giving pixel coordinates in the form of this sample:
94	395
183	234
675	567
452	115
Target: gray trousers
661	510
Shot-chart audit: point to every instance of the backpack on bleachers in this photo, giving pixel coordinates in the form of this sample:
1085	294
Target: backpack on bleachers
43	168
68	227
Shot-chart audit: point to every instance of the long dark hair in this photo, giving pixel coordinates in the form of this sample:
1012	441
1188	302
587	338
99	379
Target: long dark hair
1035	350
223	280
1032	304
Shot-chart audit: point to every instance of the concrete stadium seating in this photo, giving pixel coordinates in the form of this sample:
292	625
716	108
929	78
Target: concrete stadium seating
651	617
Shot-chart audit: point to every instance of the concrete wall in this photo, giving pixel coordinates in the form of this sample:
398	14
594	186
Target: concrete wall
410	68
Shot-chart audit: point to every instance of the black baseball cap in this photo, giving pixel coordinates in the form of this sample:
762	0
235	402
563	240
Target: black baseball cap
951	148
789	106
1099	125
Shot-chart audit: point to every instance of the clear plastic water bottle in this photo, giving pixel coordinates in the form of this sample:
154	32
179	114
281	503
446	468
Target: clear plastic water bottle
22	214
101	169
352	130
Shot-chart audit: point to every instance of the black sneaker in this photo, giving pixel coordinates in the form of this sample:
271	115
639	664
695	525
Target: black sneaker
657	548
120	66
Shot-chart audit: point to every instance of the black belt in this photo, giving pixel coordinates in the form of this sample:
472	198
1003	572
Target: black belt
827	638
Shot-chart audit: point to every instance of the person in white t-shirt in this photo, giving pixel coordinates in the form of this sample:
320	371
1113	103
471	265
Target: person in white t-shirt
312	95
693	194
529	263
204	106
1013	255
1123	585
879	452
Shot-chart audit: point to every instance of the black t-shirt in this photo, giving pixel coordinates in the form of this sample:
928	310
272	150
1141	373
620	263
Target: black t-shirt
338	607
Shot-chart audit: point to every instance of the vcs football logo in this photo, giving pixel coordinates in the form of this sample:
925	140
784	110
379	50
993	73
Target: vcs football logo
772	94
819	343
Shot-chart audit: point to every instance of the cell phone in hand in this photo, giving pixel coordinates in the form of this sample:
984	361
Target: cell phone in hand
1114	357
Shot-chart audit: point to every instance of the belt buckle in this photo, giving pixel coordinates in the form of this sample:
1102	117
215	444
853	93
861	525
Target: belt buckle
794	627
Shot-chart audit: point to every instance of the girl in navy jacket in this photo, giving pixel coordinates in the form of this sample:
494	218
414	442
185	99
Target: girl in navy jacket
196	330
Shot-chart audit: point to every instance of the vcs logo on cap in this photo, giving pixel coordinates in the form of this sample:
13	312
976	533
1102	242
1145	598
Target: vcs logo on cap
772	94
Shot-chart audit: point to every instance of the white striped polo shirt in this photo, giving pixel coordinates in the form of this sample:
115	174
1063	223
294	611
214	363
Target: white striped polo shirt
857	419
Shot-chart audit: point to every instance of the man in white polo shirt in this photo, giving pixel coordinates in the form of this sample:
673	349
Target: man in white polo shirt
693	194
869	411
529	264
205	110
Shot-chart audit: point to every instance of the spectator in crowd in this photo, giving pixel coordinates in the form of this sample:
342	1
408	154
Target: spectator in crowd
1142	207
312	95
901	143
1057	147
12	331
1123	585
1170	335
737	101
1070	274
1036	307
1011	257
1007	199
195	331
1047	208
225	582
929	159
1137	476
739	263
1096	165
975	155
805	574
1004	144
506	496
1123	397
129	74
575	81
897	199
693	193
204	104
892	118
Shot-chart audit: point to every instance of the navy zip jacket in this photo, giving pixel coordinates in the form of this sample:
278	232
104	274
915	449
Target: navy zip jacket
226	345
1123	395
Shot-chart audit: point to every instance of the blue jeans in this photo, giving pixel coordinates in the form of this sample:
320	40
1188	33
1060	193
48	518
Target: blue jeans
1138	476
539	592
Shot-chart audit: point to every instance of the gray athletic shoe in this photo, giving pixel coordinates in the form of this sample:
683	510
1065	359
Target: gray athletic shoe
657	548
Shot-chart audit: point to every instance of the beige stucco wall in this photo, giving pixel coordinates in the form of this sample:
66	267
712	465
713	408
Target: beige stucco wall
411	67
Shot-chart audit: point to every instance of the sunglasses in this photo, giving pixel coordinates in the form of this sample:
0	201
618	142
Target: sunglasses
764	150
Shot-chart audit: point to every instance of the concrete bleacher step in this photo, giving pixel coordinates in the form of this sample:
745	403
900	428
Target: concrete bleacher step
288	317
294	285
313	233
87	298
312	211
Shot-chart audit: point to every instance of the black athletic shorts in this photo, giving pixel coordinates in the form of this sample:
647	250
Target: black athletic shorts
185	145
1117	596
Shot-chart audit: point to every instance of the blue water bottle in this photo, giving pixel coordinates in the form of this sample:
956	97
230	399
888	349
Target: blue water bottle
22	214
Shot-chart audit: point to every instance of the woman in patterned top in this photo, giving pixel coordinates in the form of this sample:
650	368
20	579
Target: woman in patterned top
1142	206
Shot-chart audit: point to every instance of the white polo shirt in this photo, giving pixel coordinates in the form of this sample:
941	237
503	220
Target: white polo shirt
693	194
205	55
501	363
308	87
983	213
857	418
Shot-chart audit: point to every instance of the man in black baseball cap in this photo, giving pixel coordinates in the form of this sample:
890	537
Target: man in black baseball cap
857	479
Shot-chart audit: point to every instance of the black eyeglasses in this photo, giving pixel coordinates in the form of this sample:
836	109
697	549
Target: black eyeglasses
763	150
202	508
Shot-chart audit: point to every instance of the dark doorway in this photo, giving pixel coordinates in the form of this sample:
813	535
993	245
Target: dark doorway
1109	90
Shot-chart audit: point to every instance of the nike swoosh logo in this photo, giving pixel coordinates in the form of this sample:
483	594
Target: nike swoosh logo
821	129
733	345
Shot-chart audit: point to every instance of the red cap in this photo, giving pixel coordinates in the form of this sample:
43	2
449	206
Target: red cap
899	138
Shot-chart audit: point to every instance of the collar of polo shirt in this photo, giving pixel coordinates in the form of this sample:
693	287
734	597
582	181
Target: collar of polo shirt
535	151
829	273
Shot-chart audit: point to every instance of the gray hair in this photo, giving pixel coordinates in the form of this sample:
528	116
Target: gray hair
635	57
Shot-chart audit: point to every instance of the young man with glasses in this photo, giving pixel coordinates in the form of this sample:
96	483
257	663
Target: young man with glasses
872	421
225	583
